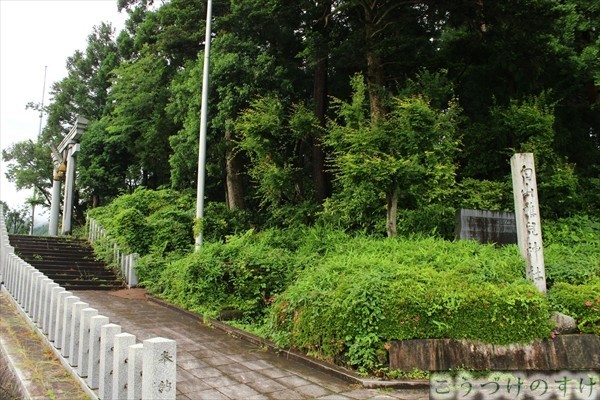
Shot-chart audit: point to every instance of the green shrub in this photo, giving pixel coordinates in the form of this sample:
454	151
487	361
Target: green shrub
171	229
243	273
134	234
195	281
485	195
349	304
145	219
581	302
220	222
431	220
149	269
572	250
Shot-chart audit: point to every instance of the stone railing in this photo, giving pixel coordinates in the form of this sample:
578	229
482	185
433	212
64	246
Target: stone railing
125	262
108	363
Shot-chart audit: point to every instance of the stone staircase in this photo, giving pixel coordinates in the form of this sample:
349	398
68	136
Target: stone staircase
68	261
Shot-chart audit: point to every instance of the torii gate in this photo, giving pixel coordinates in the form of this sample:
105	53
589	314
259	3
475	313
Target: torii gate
64	159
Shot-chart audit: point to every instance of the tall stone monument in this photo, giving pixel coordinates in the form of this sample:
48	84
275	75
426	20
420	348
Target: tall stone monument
527	216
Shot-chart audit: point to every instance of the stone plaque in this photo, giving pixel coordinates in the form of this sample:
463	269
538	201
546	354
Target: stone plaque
497	227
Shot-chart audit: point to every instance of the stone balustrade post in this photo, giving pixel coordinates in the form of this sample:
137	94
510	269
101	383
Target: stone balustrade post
26	288
53	316
47	311
35	291
93	373
39	300
159	369
9	279
23	271
66	323
84	340
31	291
120	361
42	302
107	352
16	274
134	371
7	273
76	309
59	318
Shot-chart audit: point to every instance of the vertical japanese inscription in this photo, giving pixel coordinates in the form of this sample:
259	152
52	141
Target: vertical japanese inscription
529	231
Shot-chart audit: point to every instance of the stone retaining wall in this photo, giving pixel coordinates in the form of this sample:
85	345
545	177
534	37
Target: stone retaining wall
565	352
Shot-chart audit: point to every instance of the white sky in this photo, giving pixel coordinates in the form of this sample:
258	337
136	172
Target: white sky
35	34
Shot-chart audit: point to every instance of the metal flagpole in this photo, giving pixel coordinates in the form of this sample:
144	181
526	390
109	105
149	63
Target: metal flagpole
203	113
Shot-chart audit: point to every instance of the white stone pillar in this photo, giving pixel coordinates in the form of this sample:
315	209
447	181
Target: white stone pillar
53	315
159	369
29	271
93	373
134	371
59	318
41	300
132	279
66	330
18	278
527	216
32	291
91	233
84	340
54	206
69	188
107	352
76	308
37	294
8	272
12	281
47	310
120	361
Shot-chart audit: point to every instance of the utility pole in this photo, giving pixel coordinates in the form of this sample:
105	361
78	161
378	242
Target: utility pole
203	116
34	198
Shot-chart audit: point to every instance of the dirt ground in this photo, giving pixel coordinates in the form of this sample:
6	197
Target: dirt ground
134	294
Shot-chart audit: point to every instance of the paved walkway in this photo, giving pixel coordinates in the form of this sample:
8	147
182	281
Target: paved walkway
214	365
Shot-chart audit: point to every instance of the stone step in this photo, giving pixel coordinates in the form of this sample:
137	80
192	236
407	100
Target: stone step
69	262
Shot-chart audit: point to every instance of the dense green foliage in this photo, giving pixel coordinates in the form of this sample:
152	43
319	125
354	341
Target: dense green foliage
343	297
426	100
582	302
147	220
332	124
369	291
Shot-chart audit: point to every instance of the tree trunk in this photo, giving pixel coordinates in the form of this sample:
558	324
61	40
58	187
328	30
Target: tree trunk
375	70
392	212
233	168
320	177
375	84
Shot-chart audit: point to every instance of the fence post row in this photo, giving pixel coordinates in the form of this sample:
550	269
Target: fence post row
125	262
110	361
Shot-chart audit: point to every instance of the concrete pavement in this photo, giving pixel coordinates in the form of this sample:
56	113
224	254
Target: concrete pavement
214	365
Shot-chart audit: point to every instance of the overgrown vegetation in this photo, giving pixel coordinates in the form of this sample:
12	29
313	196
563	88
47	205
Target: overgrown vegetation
332	125
342	296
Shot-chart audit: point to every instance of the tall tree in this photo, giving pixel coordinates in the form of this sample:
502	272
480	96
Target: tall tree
30	167
411	149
